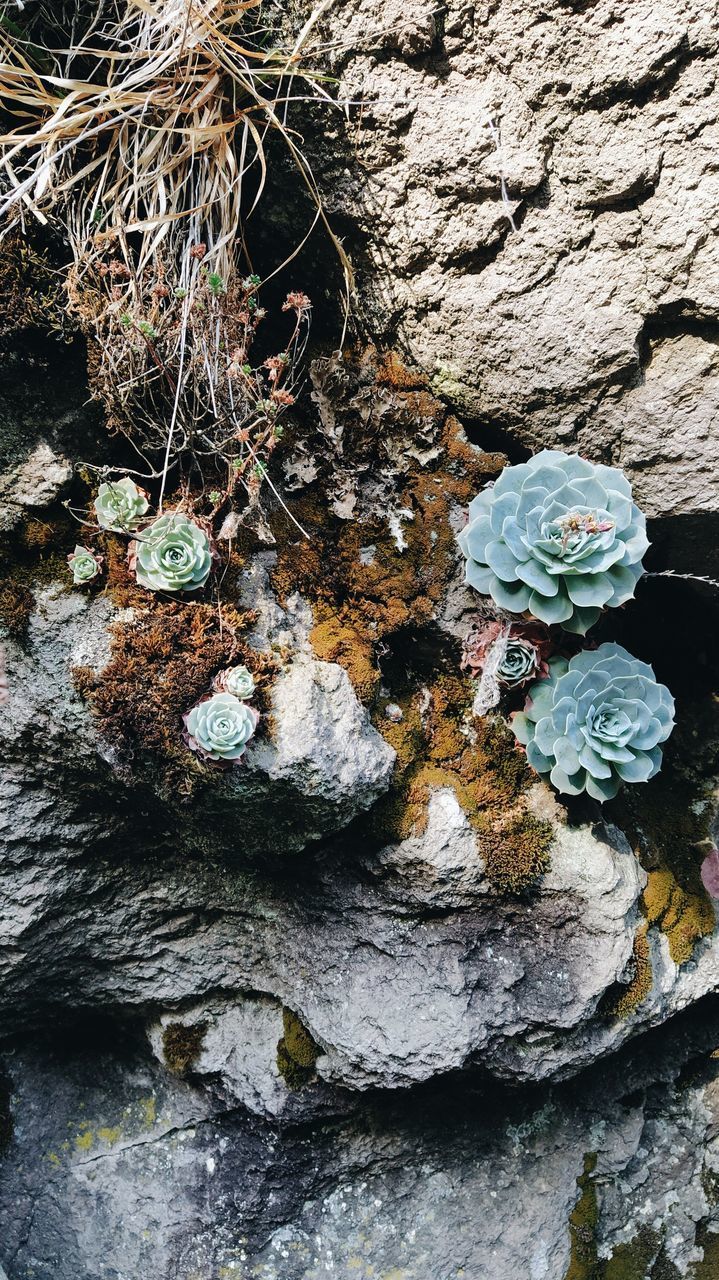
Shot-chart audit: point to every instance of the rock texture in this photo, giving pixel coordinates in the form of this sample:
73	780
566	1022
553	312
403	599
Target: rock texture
537	199
116	1168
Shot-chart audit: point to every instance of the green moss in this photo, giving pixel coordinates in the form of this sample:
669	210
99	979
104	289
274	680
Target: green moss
708	1268
181	1046
632	1261
583	1222
297	1052
669	820
622	1000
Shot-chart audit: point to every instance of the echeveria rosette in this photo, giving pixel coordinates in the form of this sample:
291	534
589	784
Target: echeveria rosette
220	726
172	554
120	505
596	722
84	565
557	537
237	680
526	647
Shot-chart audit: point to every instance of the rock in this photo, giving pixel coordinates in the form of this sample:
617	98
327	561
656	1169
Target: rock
536	201
32	484
324	745
117	1167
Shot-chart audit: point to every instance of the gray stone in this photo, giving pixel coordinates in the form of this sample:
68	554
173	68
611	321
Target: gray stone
537	202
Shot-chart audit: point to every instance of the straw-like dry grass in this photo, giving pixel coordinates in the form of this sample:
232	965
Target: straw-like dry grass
140	129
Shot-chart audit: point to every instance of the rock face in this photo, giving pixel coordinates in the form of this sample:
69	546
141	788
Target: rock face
376	1002
537	199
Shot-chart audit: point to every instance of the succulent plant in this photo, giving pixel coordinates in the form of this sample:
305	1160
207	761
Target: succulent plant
526	646
557	537
172	554
84	565
237	680
596	722
220	726
120	505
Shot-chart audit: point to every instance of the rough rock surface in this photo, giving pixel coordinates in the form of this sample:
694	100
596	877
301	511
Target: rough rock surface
117	1169
537	198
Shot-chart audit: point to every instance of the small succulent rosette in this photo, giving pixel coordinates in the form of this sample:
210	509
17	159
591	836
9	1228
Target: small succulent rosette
121	505
174	553
596	722
521	650
219	727
237	680
84	565
558	538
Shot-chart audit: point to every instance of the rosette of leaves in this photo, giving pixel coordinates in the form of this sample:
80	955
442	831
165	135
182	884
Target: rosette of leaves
596	722
558	537
237	680
120	505
525	647
219	727
172	554
84	565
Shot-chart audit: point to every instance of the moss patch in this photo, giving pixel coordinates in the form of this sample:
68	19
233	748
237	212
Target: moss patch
439	745
297	1052
622	1000
668	820
33	554
583	1222
181	1046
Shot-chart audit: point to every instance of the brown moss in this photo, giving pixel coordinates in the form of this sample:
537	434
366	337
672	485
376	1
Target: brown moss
181	1046
160	665
624	1000
334	641
516	852
16	605
297	1052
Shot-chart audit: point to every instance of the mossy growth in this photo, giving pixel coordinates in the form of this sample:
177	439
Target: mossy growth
161	663
708	1268
622	1000
297	1052
372	576
668	820
182	1045
439	745
31	555
583	1223
634	1260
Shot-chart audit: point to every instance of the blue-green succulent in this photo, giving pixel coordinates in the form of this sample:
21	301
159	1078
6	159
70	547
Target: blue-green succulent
220	726
558	537
121	505
596	722
237	680
84	565
172	554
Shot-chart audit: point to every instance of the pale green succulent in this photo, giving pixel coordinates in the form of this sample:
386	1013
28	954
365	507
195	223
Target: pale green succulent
84	565
172	554
220	726
237	680
596	722
556	537
120	505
